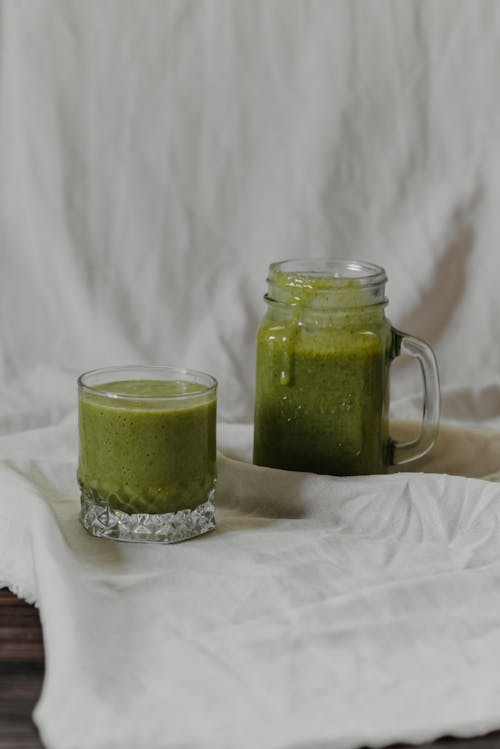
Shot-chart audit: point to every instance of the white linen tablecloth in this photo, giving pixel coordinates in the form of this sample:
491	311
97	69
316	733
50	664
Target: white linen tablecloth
322	612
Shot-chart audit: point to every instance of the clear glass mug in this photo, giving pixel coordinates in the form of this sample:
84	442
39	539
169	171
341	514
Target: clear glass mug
147	453
324	351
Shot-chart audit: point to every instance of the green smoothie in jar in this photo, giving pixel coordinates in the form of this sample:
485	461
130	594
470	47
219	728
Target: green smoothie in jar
323	355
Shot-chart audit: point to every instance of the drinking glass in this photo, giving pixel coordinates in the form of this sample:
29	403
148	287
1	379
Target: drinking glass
147	453
324	351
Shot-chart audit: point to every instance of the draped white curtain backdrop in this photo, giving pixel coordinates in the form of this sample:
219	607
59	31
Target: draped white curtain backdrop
156	157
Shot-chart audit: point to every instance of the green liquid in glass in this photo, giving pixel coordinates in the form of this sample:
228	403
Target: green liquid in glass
322	385
146	454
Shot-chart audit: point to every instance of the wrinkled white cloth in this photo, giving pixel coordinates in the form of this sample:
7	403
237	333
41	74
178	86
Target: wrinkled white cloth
154	159
322	612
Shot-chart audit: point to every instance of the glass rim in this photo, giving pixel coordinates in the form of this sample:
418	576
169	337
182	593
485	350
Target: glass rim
363	271
205	388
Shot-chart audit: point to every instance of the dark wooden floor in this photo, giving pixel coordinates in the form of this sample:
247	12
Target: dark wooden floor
21	676
21	672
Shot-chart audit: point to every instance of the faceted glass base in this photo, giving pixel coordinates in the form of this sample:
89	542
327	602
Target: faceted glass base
100	519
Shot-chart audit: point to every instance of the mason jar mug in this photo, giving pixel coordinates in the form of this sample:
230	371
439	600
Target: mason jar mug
324	351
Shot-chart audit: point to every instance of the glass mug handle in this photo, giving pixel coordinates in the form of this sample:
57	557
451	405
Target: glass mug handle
408	345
